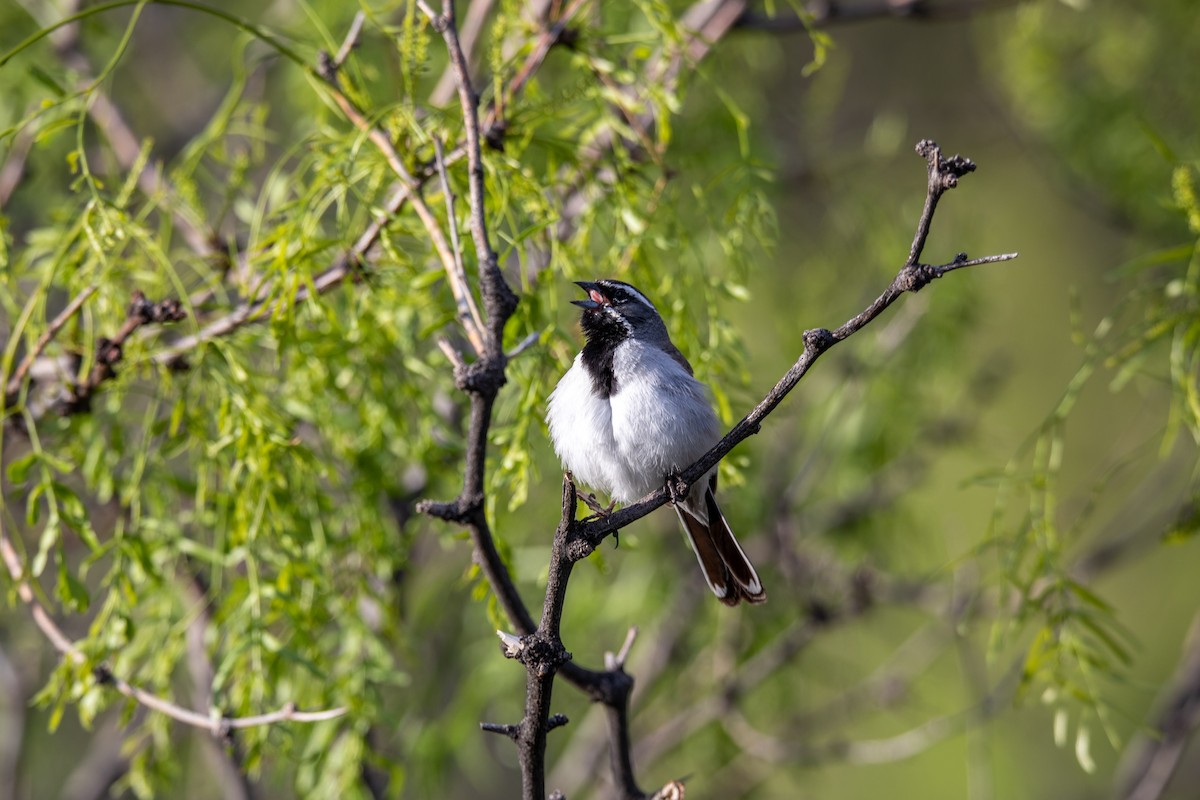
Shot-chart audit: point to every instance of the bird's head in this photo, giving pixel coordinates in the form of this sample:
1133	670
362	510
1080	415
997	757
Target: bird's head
614	311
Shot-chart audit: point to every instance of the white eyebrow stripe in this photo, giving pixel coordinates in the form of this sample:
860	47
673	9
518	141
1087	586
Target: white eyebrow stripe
632	291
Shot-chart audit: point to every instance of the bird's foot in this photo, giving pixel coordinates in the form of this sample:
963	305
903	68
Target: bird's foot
677	488
598	511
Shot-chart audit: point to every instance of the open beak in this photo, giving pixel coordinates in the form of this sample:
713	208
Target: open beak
595	298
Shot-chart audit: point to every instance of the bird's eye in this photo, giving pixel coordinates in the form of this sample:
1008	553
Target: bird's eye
620	300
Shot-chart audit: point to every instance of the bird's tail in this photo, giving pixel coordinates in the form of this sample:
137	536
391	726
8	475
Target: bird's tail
726	568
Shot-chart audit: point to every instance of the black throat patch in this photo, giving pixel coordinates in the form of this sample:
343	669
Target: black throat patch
603	333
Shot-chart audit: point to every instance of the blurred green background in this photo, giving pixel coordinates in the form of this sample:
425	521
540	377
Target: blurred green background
885	469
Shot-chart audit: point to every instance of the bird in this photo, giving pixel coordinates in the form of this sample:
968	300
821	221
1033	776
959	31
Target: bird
629	415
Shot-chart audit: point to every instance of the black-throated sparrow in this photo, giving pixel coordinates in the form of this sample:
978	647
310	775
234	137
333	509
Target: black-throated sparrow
628	414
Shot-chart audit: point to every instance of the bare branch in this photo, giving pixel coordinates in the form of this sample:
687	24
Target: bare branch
477	12
499	299
350	42
110	351
458	277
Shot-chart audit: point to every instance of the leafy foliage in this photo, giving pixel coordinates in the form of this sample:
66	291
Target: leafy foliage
257	496
251	492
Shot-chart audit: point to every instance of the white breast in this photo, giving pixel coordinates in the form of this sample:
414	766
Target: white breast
581	428
658	422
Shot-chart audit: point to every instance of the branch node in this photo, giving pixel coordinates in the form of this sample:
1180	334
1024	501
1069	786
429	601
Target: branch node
818	340
915	277
493	137
541	655
143	311
511	731
943	172
459	510
484	376
556	721
326	67
580	548
103	675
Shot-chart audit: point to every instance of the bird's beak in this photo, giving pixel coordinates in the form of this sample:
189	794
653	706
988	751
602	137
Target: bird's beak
595	297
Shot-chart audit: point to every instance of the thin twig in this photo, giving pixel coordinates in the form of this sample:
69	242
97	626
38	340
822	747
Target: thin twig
217	724
382	141
56	325
499	298
110	351
472	26
456	359
617	661
523	345
494	123
451	216
459	278
351	40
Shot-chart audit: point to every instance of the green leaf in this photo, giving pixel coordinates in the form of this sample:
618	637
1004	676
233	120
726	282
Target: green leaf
49	538
71	591
75	514
18	470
